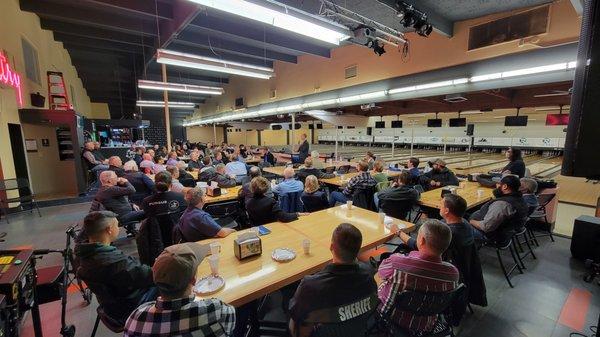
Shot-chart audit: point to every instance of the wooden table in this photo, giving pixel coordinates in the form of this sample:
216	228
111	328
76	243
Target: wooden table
276	170
232	194
253	160
343	179
433	198
194	174
255	277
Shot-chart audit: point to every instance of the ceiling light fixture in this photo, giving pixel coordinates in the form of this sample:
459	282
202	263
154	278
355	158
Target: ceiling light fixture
212	64
289	19
179	87
161	104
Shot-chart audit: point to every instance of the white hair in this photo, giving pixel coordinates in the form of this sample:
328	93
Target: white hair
130	166
315	154
288	173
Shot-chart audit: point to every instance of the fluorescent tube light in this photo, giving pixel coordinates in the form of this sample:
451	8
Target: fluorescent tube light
534	70
284	20
404	89
212	64
434	85
161	104
486	77
179	87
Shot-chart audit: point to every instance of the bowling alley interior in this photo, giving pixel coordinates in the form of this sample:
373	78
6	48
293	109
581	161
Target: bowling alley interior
302	168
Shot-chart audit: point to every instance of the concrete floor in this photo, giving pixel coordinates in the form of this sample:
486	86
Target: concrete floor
530	309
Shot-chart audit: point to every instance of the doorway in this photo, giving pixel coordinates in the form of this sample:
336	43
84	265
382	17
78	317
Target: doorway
18	150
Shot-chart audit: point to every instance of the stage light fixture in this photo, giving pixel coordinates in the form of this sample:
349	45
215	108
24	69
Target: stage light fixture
422	27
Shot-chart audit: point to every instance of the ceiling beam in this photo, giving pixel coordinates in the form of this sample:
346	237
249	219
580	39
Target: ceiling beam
106	20
138	7
440	23
206	41
101	44
205	51
96	33
269	39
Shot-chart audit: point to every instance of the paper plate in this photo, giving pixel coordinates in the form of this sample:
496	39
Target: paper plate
283	254
209	285
223	191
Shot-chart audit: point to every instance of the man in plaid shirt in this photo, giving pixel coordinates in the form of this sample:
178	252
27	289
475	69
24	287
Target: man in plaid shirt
363	180
175	312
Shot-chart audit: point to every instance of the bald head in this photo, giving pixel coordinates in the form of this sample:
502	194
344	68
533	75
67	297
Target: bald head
147	156
89	146
108	178
288	173
115	161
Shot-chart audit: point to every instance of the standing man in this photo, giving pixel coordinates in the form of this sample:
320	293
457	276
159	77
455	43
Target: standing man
303	148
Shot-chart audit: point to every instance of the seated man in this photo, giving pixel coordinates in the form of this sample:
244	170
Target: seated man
263	209
172	159
194	163
345	288
139	152
370	159
398	199
362	181
92	163
113	196
421	270
146	163
378	174
439	176
316	160
308	170
207	164
144	186
115	164
497	219
195	224
221	178
176	186
268	157
176	312
289	183
235	167
185	178
244	192
119	282
159	164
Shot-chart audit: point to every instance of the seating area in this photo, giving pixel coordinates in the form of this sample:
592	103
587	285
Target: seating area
299	168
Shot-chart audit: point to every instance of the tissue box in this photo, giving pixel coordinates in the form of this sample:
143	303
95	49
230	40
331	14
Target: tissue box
244	248
213	191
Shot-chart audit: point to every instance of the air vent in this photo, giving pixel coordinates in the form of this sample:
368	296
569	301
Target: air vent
351	72
273	94
455	98
240	103
529	23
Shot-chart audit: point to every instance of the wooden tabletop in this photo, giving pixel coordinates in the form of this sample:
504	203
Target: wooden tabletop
232	194
255	277
277	170
343	179
469	192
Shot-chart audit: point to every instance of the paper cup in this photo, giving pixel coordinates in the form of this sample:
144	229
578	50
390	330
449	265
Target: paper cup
381	217
349	204
306	246
213	261
215	248
479	194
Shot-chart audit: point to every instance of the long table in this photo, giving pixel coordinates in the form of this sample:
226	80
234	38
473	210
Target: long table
343	179
433	198
232	194
278	170
255	277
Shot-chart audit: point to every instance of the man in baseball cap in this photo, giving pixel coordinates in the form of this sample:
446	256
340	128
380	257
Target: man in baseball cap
176	312
439	176
500	217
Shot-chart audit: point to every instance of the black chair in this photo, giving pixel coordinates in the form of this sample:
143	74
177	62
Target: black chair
399	209
327	322
291	202
112	324
352	169
26	196
543	226
315	202
343	169
522	237
501	246
420	303
363	198
227	214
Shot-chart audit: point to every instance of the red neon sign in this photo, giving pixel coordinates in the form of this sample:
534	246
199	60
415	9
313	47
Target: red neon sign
10	77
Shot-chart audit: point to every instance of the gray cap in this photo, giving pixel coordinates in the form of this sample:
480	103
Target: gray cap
177	265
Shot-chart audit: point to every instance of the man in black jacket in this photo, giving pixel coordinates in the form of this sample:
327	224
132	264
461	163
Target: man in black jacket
113	196
398	199
119	282
244	192
439	176
303	148
268	157
308	170
115	164
262	209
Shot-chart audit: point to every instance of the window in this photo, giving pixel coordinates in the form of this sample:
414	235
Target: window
30	55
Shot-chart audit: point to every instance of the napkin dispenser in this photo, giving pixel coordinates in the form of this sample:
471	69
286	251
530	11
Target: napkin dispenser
447	190
247	245
213	191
